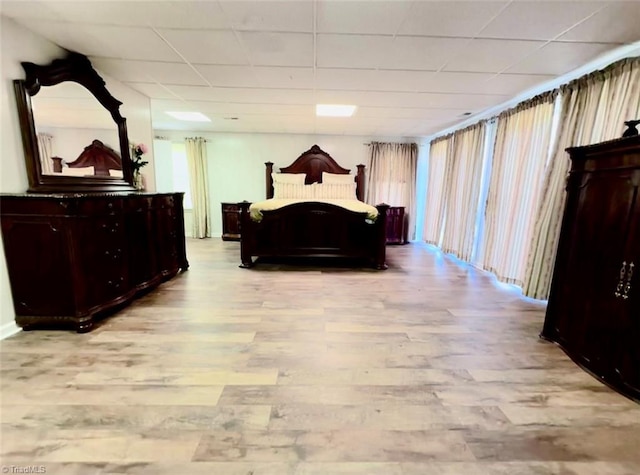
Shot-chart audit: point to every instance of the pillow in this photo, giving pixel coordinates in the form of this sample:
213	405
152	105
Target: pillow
291	178
116	173
337	179
77	171
293	191
330	191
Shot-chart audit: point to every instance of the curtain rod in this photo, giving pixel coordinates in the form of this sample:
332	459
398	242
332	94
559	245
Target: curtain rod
417	143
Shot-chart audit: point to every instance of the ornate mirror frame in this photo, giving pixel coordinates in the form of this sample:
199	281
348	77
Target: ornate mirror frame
77	68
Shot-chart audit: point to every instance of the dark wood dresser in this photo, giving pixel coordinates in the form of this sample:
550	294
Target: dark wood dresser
230	221
71	257
594	304
397	225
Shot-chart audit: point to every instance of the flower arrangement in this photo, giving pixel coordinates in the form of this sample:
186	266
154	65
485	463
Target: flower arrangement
137	162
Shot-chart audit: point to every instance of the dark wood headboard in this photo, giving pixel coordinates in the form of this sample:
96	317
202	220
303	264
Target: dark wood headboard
96	155
313	162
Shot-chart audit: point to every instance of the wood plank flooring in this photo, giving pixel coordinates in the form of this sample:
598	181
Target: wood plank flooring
427	368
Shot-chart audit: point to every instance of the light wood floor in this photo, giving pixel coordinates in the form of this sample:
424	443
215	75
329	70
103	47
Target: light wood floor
427	368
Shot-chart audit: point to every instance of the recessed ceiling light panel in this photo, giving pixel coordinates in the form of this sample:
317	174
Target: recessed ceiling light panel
334	110
189	116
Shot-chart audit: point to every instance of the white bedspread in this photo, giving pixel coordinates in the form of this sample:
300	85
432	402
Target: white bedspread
256	209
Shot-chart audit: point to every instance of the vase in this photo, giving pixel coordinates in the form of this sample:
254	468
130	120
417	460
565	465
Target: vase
138	183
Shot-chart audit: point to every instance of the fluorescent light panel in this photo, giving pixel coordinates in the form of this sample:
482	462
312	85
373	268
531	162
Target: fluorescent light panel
334	110
189	116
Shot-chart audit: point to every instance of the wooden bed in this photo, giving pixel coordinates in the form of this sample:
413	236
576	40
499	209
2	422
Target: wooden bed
97	155
314	229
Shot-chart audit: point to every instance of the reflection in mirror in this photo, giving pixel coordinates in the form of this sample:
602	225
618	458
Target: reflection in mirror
68	119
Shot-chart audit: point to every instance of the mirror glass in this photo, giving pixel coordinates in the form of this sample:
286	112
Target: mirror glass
68	118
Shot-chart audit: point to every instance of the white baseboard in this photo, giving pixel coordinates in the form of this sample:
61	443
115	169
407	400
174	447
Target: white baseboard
8	329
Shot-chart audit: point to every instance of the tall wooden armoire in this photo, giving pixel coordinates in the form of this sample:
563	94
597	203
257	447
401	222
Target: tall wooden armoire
594	304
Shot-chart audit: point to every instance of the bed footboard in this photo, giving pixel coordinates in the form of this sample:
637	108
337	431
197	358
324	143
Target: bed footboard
313	229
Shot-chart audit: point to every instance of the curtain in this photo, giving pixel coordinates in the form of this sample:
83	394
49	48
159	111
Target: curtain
391	177
520	153
462	187
440	155
594	108
45	148
199	185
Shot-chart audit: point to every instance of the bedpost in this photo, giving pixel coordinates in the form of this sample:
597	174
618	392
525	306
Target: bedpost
381	237
57	164
360	183
245	237
269	179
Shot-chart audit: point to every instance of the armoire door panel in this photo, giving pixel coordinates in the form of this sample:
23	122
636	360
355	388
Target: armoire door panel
627	349
604	207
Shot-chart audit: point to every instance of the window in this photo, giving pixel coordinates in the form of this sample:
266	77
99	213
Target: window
180	172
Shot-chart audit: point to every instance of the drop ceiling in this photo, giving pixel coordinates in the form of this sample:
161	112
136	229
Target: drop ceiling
412	67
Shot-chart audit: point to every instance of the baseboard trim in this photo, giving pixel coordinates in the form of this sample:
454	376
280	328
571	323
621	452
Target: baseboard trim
9	329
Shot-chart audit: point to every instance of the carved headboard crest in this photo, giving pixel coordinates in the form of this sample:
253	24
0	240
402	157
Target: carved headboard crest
314	162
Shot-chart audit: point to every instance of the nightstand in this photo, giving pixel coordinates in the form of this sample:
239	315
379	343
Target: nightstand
397	225
230	222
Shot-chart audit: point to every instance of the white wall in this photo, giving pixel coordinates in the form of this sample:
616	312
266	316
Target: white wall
236	161
19	44
136	108
16	45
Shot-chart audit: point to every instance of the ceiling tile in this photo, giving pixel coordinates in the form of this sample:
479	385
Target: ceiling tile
431	127
482	55
446	18
403	99
244	95
78	38
371	79
296	16
559	58
252	109
447	82
134	43
352	51
362	17
149	71
617	23
408	113
154	91
35	10
164	14
428	54
538	20
278	49
293	78
228	76
206	47
513	84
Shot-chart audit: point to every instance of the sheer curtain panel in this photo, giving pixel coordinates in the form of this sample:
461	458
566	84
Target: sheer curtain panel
45	148
391	177
462	182
440	155
517	173
199	185
594	109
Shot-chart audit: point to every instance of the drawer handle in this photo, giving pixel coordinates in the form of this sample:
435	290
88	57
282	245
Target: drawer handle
620	286
627	286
